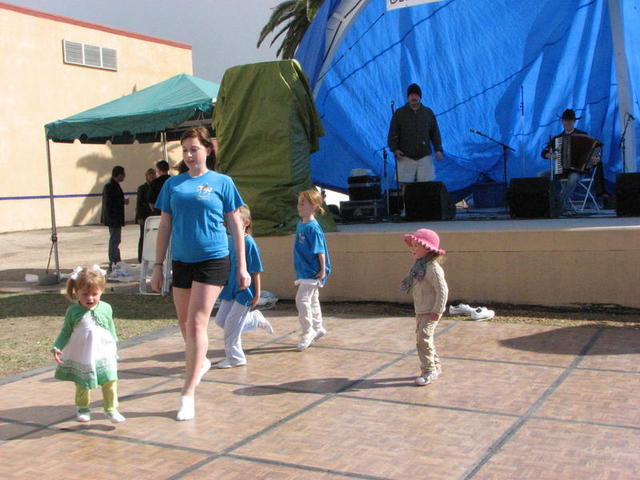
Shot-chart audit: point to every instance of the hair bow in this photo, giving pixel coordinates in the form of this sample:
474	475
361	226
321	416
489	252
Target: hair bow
94	267
97	268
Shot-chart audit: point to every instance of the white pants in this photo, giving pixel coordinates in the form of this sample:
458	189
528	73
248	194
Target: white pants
308	304
235	319
420	170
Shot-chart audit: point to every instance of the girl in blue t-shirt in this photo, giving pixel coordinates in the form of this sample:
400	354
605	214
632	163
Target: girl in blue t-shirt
313	266
235	314
195	206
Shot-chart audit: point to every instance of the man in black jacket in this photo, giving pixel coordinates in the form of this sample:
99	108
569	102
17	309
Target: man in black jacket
113	203
143	210
162	169
413	131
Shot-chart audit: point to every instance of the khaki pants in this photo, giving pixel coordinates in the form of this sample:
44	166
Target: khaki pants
109	396
425	343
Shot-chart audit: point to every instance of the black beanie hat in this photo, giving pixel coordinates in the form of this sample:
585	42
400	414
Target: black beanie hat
414	88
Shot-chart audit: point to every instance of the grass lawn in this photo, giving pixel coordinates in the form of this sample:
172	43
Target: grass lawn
30	323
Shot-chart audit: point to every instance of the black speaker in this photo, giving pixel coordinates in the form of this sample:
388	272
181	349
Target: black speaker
428	201
628	194
532	198
396	202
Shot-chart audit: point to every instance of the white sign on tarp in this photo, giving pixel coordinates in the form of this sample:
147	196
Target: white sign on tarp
393	4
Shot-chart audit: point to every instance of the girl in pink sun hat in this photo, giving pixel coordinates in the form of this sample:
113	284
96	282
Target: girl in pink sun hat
426	283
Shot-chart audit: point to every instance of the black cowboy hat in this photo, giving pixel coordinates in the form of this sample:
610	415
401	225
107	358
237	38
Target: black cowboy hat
569	114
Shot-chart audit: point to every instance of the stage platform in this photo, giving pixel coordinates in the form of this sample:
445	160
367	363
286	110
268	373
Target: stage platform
593	258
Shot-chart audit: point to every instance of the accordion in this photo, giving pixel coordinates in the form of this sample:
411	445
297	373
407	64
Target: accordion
575	153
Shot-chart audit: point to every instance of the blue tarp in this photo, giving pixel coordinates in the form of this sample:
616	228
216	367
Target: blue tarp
507	69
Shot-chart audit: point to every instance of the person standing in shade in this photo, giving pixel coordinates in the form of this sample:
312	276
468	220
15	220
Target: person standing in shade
143	210
162	170
413	136
113	203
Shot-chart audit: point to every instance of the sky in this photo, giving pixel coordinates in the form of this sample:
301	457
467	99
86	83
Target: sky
223	33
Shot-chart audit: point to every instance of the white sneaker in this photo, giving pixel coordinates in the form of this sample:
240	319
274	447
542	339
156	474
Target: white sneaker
115	416
481	314
187	409
83	415
263	323
206	366
320	332
226	363
423	380
460	309
267	300
306	339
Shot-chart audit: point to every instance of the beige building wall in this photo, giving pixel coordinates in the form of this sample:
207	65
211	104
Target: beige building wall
38	87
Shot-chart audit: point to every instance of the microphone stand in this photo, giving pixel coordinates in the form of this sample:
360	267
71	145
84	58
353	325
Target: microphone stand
628	119
505	149
384	176
400	197
522	161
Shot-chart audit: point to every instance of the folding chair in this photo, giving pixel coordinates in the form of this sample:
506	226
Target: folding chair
151	225
584	192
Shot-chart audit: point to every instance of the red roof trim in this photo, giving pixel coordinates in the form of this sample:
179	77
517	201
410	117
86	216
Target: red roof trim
94	26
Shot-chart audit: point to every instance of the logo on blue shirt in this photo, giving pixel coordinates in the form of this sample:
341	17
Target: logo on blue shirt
204	191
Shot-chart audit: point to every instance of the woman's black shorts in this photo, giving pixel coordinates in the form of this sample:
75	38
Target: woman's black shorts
209	272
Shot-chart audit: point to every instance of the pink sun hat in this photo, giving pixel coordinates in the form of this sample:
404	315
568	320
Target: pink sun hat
427	238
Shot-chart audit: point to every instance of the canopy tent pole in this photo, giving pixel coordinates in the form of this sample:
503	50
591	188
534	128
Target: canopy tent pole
163	136
54	233
625	106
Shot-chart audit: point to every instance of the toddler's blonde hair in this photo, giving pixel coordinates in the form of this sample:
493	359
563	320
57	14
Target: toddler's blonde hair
87	279
245	216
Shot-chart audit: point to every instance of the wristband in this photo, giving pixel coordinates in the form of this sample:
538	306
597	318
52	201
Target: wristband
158	264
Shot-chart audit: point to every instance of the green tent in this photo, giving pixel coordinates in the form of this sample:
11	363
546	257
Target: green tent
267	126
143	116
158	113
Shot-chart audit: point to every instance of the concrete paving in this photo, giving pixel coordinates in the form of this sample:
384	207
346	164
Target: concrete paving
515	401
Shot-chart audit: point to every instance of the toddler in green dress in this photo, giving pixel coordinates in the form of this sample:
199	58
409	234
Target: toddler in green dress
85	350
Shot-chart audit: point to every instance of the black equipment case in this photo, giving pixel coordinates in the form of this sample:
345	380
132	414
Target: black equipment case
363	209
364	187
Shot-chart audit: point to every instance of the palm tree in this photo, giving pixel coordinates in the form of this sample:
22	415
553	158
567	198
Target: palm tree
294	16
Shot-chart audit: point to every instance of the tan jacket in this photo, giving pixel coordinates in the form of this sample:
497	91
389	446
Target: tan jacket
430	294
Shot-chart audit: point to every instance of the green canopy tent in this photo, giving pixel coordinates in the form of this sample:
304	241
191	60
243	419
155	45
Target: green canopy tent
158	113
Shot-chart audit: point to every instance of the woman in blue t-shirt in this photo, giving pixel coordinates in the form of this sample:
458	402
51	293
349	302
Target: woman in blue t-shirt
194	207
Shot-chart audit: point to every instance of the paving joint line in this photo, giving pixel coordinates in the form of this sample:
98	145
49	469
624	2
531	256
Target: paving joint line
326	397
513	429
304	467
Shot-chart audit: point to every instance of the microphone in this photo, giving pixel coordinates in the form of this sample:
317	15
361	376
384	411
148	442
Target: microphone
473	131
631	116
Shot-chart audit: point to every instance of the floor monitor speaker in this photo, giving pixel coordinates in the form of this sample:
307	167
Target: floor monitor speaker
532	198
428	201
628	194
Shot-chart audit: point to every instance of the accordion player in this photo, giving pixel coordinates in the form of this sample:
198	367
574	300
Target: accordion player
577	152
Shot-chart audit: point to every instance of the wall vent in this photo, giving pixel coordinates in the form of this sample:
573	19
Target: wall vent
76	53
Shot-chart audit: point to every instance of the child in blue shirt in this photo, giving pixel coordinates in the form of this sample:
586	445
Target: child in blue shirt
235	314
312	265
